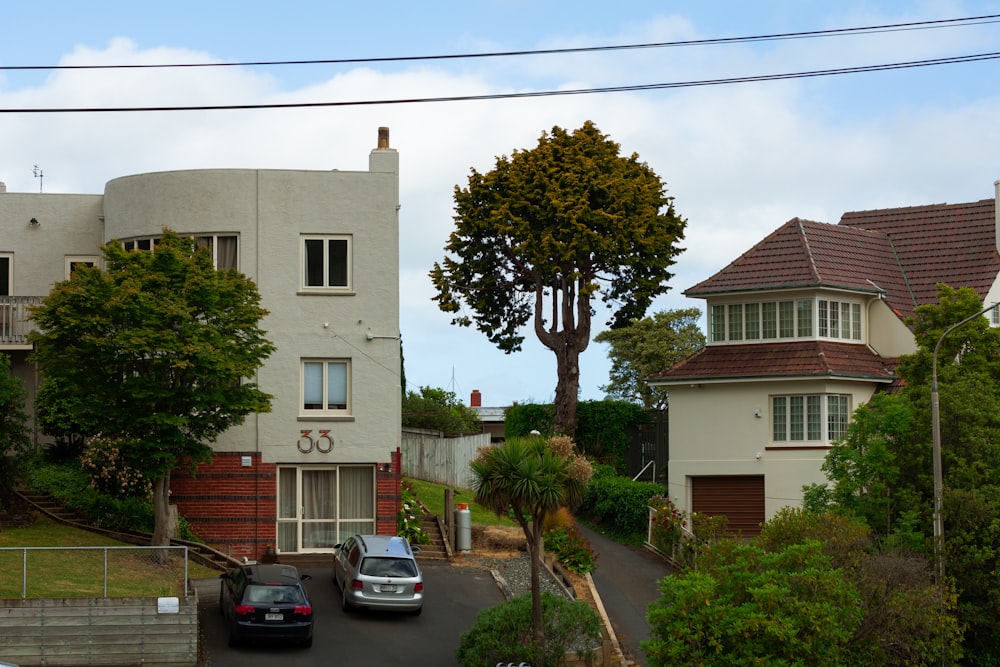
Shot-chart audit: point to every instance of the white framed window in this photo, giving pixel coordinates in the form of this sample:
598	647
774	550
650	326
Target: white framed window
786	319
809	418
6	273
321	506
224	248
326	386
326	263
74	261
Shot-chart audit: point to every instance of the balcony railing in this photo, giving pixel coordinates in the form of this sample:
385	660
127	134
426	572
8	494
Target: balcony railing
14	322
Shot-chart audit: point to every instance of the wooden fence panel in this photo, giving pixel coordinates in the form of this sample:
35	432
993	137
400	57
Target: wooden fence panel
440	460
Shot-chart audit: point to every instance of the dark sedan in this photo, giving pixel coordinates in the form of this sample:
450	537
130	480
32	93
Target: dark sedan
266	602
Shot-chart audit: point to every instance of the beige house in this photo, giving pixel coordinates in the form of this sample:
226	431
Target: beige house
802	329
323	248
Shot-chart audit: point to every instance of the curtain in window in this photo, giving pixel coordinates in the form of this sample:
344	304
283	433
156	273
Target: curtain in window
357	500
312	385
226	256
288	509
319	509
336	387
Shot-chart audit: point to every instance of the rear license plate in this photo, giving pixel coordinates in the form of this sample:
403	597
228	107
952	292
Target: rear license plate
274	617
387	588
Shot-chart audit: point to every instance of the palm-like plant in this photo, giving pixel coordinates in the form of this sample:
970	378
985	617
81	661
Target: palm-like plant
527	478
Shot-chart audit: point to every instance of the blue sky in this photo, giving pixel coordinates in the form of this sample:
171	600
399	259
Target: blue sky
739	159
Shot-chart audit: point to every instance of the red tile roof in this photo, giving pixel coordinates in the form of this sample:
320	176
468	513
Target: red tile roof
902	253
798	359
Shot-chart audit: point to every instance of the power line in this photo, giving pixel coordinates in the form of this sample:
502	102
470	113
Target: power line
810	34
544	93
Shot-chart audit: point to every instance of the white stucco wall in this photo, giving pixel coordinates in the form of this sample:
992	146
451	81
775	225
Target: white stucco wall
270	210
714	431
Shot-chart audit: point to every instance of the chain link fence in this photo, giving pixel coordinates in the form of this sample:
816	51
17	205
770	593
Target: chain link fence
93	572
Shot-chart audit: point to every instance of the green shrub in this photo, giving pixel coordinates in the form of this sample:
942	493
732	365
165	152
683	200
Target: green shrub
502	634
408	519
572	549
620	505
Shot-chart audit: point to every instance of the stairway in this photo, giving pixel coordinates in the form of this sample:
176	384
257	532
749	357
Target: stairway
200	553
436	549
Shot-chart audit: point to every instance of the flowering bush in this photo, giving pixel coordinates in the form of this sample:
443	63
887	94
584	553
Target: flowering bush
104	461
408	521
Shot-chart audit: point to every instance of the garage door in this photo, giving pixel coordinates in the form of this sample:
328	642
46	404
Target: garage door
739	498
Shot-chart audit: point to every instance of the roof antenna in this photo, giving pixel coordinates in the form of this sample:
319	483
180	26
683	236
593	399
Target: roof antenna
39	175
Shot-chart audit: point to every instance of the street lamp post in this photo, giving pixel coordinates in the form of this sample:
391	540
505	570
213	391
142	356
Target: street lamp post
936	428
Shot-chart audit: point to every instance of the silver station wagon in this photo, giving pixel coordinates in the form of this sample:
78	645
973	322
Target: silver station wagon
378	572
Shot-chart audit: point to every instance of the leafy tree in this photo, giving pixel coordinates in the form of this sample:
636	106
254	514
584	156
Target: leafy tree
15	439
527	479
882	471
548	231
743	605
648	346
154	352
440	410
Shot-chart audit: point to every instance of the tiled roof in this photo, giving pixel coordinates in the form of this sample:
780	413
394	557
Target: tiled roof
901	252
799	359
944	243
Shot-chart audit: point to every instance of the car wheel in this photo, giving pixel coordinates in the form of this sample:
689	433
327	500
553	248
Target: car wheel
307	643
344	602
418	611
222	610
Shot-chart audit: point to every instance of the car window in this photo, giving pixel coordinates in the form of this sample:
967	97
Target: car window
389	567
273	594
353	556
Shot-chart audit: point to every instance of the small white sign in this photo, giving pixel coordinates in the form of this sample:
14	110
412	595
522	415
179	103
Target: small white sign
168	605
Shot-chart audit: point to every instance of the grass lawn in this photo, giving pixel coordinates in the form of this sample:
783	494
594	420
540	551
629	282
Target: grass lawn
62	573
432	497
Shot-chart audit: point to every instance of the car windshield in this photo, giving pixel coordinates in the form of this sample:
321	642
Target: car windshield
388	567
273	594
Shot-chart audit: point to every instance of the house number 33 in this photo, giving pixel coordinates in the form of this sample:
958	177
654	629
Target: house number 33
322	443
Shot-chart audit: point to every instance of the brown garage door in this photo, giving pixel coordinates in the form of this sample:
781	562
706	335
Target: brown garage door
739	498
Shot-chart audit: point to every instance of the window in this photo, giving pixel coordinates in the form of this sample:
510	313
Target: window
325	386
779	320
224	247
326	263
74	261
6	273
839	319
801	418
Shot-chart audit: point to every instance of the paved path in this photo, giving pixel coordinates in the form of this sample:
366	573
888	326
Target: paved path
625	579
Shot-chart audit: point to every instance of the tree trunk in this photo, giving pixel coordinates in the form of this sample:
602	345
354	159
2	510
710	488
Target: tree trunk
567	389
161	511
535	556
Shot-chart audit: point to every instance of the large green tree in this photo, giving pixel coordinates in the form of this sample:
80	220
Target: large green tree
440	410
647	346
547	232
526	479
882	471
15	438
158	351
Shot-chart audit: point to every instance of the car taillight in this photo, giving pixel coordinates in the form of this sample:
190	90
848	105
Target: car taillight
243	610
304	610
356	584
418	587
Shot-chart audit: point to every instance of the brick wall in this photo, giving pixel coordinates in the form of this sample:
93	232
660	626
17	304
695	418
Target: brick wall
234	507
388	490
231	506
